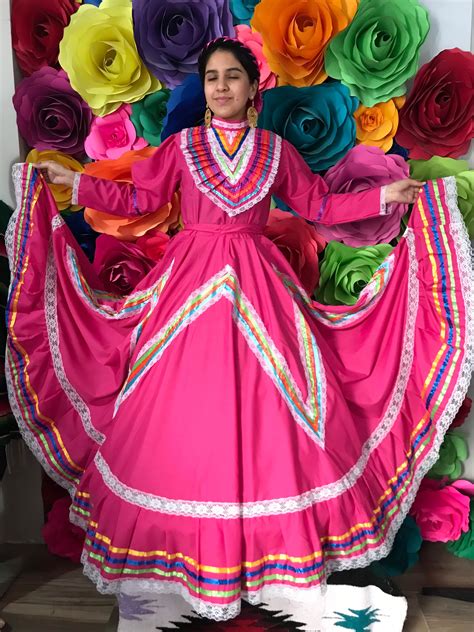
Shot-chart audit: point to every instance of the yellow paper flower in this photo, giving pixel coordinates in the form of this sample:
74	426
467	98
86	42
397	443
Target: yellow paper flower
377	125
296	33
99	54
61	193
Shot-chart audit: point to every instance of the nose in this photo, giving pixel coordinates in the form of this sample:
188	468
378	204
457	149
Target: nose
221	84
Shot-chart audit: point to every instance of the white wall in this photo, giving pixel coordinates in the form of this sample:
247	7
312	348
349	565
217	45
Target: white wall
452	25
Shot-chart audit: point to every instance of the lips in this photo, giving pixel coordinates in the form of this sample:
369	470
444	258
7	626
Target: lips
222	101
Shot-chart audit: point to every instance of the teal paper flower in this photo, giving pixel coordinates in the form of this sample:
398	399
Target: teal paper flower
317	120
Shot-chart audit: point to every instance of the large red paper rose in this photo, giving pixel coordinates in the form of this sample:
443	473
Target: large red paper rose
37	29
299	242
438	116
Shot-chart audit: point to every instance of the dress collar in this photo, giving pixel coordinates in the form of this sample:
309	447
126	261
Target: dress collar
219	123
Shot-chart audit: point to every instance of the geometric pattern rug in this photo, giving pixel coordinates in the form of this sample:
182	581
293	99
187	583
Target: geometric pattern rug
344	607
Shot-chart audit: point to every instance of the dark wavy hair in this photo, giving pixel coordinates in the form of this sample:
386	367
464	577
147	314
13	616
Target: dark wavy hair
238	49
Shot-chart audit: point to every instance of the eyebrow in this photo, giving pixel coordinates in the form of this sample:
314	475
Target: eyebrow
226	70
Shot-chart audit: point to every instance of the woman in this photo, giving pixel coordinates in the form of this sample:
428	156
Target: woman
222	435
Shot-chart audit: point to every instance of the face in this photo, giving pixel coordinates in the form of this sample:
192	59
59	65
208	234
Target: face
227	86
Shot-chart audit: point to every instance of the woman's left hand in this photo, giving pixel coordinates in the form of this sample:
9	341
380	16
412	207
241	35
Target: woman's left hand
403	191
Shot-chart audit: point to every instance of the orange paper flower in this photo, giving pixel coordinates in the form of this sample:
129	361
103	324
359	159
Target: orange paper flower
129	228
295	35
61	193
377	125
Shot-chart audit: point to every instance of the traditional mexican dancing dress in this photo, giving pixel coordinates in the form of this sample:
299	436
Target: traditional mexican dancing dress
222	435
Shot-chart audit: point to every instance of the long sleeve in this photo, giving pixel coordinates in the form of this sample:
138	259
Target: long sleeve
154	180
307	193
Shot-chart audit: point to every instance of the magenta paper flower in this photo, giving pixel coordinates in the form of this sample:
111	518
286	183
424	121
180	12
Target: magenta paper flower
442	511
254	41
50	114
365	167
113	135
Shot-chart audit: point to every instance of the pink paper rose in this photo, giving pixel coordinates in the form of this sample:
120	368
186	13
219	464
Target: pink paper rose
112	135
299	242
120	265
442	511
362	168
254	41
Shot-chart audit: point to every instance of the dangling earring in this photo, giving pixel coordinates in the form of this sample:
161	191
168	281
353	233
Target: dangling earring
208	116
252	115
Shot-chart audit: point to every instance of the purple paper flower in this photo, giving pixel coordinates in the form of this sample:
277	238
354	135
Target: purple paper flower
50	114
365	167
171	34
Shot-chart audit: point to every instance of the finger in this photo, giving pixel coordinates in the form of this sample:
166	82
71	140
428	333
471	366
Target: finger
415	183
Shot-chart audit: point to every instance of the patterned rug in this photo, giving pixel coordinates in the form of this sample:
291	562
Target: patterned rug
361	609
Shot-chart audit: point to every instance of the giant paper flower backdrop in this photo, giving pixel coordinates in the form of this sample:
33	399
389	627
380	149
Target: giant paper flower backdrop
170	34
50	114
37	29
438	116
129	228
318	121
363	168
296	33
379	51
99	53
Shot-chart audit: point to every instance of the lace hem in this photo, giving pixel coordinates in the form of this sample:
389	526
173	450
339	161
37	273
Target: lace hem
140	586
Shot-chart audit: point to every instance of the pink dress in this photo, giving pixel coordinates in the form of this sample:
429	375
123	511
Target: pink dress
223	436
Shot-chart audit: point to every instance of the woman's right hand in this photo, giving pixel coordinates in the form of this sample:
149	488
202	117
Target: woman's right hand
55	172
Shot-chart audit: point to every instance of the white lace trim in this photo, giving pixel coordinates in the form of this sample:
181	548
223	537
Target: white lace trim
57	222
52	326
232	212
231	125
17	171
75	189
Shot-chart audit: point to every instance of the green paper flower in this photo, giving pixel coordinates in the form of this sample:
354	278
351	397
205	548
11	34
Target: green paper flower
464	546
345	271
465	184
379	51
436	167
148	114
451	455
99	54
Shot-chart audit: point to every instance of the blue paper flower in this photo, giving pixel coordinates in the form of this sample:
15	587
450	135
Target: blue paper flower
242	10
94	2
317	120
185	108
